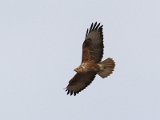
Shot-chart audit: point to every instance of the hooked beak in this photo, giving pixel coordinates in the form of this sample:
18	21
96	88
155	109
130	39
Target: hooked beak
76	70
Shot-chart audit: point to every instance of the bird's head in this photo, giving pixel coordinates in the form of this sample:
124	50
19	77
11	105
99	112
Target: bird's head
79	69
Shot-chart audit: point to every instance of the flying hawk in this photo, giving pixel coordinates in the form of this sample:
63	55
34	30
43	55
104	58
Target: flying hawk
92	53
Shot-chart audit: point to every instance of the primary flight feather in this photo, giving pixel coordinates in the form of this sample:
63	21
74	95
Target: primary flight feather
92	53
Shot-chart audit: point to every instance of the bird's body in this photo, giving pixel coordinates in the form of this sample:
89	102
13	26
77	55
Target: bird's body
87	67
92	53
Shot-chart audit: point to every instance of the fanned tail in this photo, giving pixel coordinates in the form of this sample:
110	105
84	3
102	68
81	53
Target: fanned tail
106	67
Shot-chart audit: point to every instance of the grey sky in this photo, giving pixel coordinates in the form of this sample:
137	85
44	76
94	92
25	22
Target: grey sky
40	45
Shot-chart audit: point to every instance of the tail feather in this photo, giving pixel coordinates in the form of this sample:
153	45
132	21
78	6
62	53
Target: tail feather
106	67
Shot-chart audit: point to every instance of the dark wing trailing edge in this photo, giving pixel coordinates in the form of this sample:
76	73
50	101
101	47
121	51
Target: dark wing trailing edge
79	82
93	44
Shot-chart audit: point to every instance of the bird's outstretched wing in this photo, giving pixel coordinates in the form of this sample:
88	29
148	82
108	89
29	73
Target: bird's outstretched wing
79	82
92	49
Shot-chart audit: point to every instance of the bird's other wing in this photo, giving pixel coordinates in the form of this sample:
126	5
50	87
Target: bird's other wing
79	82
92	49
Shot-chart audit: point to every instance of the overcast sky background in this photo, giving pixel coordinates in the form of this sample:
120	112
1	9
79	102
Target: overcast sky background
40	45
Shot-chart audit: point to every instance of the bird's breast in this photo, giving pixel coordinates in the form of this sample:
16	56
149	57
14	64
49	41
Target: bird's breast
90	66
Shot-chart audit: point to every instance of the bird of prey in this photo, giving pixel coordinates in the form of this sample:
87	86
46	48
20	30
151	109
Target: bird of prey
91	64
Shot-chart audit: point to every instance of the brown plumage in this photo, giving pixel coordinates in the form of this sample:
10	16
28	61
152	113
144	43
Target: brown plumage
92	53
